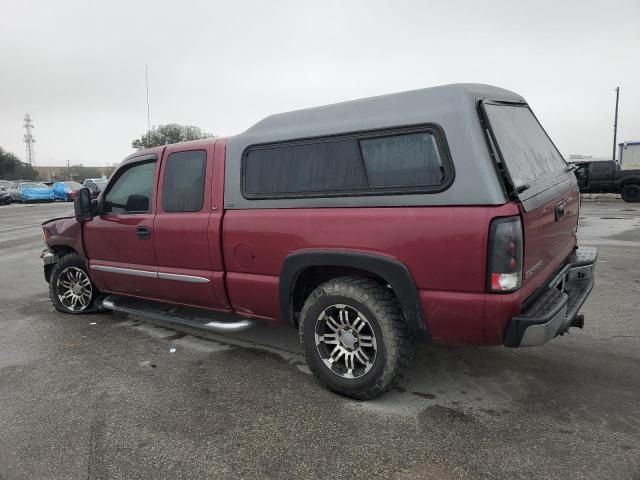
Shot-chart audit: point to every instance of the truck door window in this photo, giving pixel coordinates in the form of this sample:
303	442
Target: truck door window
183	187
602	170
526	149
132	190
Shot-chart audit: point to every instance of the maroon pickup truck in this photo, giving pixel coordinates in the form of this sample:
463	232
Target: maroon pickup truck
444	213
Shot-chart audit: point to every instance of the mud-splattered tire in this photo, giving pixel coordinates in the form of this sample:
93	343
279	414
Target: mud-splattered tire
355	339
631	193
70	287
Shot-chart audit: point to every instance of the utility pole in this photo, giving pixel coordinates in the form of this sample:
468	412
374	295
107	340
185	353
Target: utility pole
29	139
146	74
615	124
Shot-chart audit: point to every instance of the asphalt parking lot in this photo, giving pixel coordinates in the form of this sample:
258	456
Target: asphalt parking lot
102	396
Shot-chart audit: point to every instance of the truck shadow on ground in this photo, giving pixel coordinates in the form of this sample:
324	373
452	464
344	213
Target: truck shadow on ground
466	383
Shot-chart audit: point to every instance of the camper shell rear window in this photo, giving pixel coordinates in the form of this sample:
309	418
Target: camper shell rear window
524	146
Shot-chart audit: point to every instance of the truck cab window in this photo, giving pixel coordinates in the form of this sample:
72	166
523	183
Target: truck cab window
183	187
132	190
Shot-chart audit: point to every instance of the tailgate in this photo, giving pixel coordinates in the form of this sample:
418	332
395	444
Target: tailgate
550	222
545	186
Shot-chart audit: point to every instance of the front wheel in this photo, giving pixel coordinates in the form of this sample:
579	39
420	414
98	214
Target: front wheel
631	193
354	337
70	287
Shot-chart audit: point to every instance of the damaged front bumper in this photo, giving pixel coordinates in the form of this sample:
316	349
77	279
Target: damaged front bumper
556	309
48	259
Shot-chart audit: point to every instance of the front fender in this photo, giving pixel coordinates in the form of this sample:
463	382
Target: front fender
64	232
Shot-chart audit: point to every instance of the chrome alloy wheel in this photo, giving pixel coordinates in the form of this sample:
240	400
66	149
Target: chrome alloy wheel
74	289
345	341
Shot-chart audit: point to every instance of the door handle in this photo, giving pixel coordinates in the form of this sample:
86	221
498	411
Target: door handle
143	233
560	207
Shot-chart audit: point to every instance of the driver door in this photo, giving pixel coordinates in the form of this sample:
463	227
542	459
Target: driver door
119	242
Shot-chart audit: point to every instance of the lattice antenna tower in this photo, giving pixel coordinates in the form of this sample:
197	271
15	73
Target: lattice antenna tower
29	139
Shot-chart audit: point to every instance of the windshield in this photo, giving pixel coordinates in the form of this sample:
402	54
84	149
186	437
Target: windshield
526	149
75	185
33	185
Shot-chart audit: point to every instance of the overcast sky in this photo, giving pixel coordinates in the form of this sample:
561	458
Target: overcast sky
78	67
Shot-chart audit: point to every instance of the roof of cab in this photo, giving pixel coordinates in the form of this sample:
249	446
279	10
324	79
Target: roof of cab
157	151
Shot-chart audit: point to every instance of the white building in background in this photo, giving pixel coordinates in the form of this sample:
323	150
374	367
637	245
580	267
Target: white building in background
629	152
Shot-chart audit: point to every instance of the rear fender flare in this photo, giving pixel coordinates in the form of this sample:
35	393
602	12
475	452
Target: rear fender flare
392	271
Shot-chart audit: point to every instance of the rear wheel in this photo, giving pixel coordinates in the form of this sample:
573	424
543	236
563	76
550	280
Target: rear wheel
631	193
70	287
355	339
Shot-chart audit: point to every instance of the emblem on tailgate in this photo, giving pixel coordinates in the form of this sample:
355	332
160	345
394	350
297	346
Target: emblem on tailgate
533	270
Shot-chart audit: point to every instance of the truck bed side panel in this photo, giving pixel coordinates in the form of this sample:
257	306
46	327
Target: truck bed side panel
443	247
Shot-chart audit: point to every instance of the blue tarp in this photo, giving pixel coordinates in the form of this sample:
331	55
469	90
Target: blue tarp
37	194
60	191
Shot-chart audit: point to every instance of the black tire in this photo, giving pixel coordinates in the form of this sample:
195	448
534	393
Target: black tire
68	269
391	335
631	193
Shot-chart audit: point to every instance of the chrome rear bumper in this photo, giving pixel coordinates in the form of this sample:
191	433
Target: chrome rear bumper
556	310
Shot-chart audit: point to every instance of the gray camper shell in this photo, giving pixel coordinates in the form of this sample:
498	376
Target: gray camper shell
453	109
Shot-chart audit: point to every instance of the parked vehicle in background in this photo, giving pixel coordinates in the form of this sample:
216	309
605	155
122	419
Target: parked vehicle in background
95	187
94	180
607	177
444	213
6	184
5	198
30	192
66	191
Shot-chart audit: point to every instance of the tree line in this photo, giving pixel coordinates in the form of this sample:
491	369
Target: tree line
11	167
169	133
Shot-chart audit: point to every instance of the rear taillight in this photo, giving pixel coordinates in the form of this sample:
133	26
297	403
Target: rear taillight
504	266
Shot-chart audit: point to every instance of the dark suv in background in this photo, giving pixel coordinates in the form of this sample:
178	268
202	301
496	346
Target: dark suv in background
607	176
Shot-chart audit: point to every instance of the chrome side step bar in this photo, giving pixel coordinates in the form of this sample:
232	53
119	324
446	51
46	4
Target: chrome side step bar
173	315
